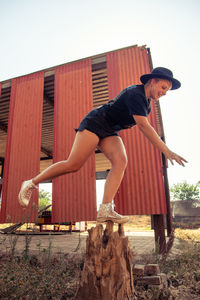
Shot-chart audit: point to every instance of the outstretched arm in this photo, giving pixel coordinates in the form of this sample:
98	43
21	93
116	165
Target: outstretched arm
144	125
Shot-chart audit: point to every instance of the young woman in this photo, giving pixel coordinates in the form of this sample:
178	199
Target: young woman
99	129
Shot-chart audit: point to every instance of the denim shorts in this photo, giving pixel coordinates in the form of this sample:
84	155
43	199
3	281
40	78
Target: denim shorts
96	122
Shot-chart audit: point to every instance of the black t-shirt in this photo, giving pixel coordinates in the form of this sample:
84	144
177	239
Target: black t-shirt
130	101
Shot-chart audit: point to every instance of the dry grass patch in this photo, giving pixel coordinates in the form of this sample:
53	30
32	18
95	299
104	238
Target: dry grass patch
35	278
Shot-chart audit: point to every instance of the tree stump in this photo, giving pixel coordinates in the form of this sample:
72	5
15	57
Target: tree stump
107	272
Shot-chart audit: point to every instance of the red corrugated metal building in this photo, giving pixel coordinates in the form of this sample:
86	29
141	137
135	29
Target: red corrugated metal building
38	114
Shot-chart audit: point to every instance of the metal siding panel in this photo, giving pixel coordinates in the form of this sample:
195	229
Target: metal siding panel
22	159
142	189
74	195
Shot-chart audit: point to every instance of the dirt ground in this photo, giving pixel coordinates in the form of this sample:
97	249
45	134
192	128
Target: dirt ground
141	238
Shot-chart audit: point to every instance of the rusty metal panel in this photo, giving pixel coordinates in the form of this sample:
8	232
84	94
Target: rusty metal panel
0	150
74	195
22	159
142	190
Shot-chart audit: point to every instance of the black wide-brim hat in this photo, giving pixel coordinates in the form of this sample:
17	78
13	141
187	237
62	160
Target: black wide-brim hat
161	73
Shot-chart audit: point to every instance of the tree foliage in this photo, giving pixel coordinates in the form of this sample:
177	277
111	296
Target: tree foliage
44	199
185	191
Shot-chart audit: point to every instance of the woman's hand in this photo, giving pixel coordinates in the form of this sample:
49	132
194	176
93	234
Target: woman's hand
175	157
144	125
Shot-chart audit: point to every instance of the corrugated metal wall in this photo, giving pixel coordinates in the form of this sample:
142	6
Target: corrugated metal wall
74	195
142	189
0	153
22	159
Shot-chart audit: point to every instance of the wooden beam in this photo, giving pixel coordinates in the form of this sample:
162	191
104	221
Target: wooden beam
47	152
48	100
159	230
3	127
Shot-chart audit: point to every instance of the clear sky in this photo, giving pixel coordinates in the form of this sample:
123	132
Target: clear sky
37	34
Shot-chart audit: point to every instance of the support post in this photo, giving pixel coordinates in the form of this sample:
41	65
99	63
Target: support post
159	230
166	183
1	175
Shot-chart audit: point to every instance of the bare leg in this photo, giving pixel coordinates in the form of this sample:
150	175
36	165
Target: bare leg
114	150
84	144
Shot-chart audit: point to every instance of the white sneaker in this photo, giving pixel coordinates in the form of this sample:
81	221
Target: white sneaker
26	192
107	213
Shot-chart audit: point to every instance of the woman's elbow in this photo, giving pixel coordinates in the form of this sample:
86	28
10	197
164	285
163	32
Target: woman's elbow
141	126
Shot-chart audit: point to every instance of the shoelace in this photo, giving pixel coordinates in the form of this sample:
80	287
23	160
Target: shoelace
28	192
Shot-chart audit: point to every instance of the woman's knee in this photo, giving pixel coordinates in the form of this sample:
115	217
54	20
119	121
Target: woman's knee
124	160
72	166
120	161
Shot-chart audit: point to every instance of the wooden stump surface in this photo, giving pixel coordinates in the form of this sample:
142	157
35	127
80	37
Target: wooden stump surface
107	272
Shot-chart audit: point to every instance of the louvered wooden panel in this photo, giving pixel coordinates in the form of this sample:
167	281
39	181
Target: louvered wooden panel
102	163
100	87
